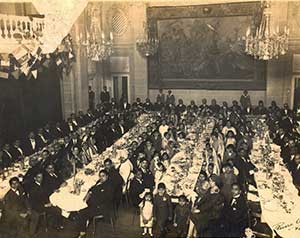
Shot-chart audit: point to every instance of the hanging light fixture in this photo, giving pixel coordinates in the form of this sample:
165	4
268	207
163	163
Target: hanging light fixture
97	49
147	45
265	43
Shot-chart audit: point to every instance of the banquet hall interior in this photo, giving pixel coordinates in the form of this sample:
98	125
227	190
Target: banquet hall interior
149	118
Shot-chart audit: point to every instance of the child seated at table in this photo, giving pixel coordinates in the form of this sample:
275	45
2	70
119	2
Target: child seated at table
163	211
181	216
146	214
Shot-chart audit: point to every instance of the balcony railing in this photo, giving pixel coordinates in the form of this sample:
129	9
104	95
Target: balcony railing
16	30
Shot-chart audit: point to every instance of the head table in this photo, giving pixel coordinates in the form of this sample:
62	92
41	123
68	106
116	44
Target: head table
280	203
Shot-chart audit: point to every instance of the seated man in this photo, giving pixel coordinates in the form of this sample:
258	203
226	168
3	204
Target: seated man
6	156
260	109
51	180
15	208
236	212
99	200
39	203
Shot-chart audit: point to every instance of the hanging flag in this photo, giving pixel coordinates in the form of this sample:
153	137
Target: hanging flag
20	52
25	69
16	74
4	63
46	63
34	73
58	61
71	56
3	75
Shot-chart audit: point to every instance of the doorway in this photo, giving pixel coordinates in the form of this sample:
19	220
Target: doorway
120	86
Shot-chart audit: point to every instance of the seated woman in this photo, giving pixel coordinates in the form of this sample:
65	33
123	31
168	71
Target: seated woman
149	151
229	153
77	157
230	139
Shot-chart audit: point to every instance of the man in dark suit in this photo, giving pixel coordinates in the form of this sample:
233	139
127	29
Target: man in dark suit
16	208
75	140
104	95
236	212
286	111
295	170
16	151
124	105
214	107
115	179
70	127
31	144
148	177
99	200
204	108
148	106
39	203
81	119
91	98
245	167
112	134
48	133
41	139
180	108
6	156
122	127
89	117
260	109
58	131
51	179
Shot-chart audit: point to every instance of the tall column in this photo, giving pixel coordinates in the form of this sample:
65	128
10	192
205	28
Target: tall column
74	86
138	11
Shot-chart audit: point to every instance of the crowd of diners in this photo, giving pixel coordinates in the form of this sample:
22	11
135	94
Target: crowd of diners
219	208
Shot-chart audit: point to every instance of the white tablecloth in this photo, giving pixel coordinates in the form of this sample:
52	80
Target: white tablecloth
182	174
68	201
285	221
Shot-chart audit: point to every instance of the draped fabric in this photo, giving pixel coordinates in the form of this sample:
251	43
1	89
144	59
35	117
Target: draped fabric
59	19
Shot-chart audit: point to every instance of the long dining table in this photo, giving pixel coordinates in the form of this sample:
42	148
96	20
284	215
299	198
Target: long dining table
70	196
277	195
183	171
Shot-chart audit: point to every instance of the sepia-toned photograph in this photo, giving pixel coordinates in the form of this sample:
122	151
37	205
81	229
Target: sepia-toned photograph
149	118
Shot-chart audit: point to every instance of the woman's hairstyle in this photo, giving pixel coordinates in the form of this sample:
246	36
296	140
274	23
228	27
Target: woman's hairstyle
13	179
161	186
103	171
182	198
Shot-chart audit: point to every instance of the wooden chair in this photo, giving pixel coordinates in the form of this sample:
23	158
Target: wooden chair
101	217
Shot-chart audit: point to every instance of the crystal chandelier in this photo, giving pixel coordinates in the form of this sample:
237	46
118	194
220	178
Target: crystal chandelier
264	43
147	46
97	49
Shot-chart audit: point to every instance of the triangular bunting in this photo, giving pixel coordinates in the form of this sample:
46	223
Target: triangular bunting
16	74
34	73
3	75
58	61
4	63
